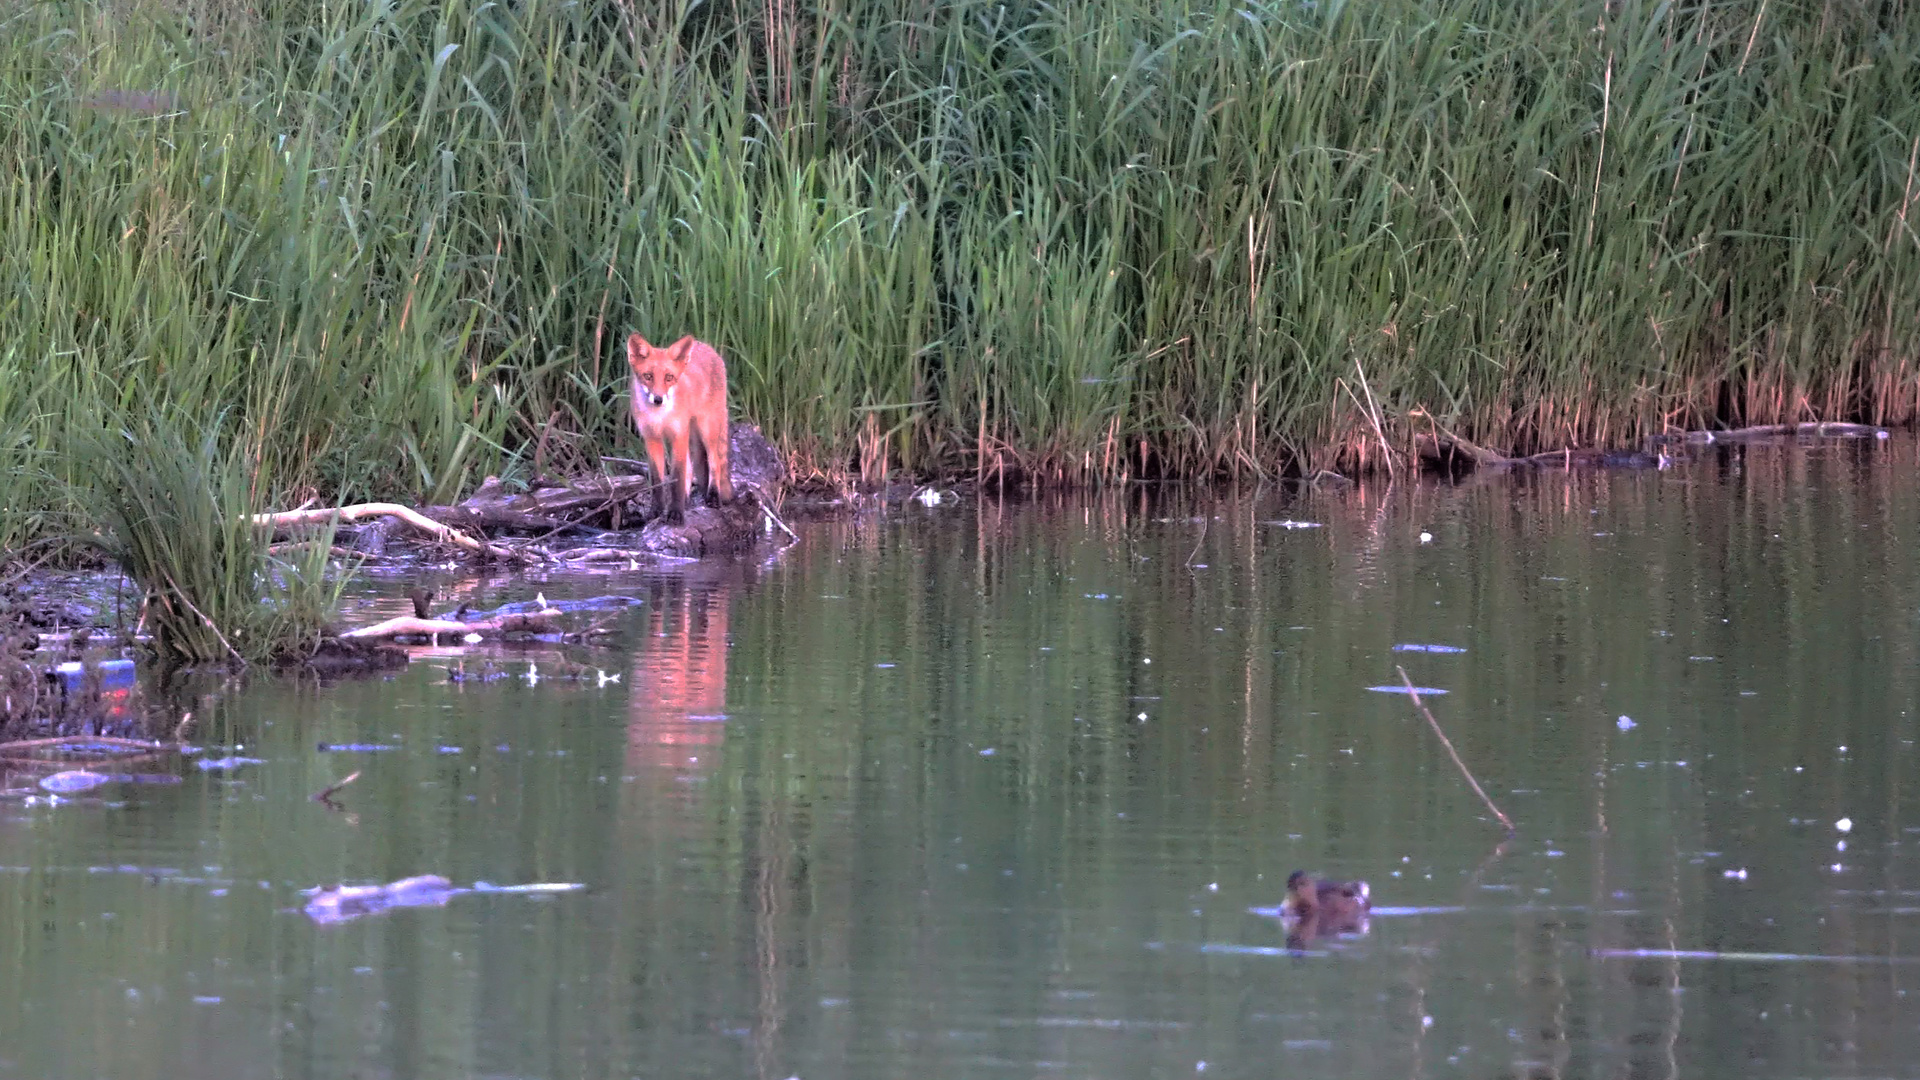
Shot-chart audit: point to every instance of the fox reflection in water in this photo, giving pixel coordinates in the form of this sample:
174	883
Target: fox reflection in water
676	715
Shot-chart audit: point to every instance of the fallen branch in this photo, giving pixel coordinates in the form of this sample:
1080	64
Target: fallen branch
81	742
412	626
325	795
1439	443
1824	429
444	533
1444	741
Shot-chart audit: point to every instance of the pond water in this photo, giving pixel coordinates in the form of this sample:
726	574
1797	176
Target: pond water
994	790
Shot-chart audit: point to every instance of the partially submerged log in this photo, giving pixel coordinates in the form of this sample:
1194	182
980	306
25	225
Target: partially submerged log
412	626
1822	430
408	515
604	504
508	621
1443	447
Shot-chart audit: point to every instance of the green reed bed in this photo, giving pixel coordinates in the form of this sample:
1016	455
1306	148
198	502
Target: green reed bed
399	244
175	500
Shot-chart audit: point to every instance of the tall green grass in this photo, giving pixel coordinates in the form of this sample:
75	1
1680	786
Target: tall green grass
396	243
175	502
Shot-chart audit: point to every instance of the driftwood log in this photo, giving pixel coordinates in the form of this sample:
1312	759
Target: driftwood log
542	617
607	507
1443	447
496	628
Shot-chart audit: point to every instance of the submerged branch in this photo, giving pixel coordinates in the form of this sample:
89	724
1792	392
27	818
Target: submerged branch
411	626
549	618
1440	445
1448	743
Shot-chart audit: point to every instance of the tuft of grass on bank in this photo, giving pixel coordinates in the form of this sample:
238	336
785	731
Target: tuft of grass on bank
398	246
174	504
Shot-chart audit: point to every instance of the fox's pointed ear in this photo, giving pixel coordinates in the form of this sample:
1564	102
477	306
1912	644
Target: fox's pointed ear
637	350
684	349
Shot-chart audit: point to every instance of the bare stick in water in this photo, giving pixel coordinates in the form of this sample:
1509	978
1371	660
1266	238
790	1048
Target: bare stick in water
1444	741
326	795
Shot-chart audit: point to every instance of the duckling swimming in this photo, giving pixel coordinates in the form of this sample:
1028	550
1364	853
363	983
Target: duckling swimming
1315	908
1342	901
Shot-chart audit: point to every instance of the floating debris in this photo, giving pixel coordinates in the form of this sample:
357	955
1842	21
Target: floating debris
73	780
339	903
65	783
342	903
1400	689
226	764
1411	647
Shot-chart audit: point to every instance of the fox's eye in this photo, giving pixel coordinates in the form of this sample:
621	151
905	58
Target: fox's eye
669	380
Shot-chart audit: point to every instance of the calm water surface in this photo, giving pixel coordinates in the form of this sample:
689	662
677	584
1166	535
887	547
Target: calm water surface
992	790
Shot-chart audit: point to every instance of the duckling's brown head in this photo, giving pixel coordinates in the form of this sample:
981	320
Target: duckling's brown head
1301	893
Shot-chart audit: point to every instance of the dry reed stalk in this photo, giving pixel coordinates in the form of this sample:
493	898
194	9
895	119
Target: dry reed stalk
1444	741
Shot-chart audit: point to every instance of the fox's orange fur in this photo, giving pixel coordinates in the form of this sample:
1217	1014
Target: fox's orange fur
680	409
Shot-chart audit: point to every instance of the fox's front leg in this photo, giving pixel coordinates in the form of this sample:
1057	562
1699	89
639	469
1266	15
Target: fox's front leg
683	474
697	466
663	489
713	436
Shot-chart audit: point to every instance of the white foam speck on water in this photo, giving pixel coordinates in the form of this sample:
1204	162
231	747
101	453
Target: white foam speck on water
1845	824
1625	723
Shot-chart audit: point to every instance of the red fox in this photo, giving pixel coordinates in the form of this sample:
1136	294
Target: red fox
680	409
